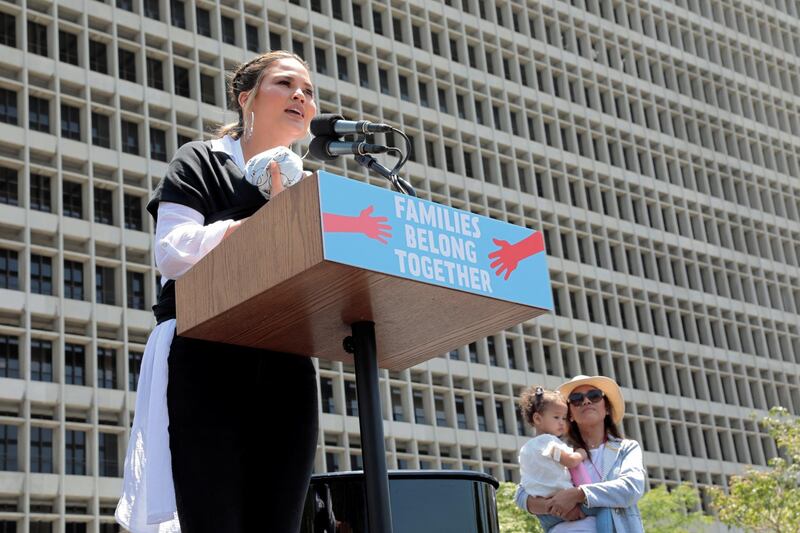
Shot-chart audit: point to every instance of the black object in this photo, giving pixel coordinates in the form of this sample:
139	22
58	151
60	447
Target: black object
423	501
329	148
371	423
332	125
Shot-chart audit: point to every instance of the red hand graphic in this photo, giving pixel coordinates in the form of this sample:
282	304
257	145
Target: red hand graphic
507	256
372	227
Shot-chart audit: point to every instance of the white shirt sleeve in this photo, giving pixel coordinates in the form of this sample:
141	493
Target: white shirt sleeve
182	239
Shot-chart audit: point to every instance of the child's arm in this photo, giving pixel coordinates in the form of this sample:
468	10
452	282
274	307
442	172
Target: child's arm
570	460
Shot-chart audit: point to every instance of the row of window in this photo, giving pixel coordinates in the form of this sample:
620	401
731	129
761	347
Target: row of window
42	453
72	200
41	279
77	369
469	412
71	125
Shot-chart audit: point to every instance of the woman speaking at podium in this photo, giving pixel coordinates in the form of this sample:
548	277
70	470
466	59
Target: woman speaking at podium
197	458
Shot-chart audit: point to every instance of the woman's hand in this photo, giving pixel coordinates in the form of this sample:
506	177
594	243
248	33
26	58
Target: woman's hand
277	182
563	501
233	227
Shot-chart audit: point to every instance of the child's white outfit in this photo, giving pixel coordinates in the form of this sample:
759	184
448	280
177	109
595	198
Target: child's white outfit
540	472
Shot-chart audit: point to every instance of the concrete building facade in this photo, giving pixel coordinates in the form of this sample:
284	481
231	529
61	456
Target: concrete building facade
655	143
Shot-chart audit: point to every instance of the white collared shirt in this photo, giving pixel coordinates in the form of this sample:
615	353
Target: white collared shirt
147	503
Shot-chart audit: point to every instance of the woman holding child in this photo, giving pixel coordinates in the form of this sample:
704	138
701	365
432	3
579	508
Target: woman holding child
606	500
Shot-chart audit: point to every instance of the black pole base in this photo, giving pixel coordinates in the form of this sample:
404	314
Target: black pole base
362	343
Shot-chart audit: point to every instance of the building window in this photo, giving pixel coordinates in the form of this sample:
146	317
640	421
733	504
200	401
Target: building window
383	77
39	114
126	65
104	285
41	274
127	5
158	144
203	21
8	106
358	19
75	452
155	74
8	448
326	392
40	192
419	407
135	282
133	212
9	186
8	30
9	269
251	33
152	10
41	527
134	368
275	42
320	62
73	279
9	357
67	47
101	135
377	22
481	415
341	67
75	527
37	38
74	364
41	450
207	89
182	139
70	122
106	368
351	398
107	455
501	419
461	413
130	137
98	60
41	360
228	31
363	74
181	78
177	13
73	199
103	206
298	48
398	413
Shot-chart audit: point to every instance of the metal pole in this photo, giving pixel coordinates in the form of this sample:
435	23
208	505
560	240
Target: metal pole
379	510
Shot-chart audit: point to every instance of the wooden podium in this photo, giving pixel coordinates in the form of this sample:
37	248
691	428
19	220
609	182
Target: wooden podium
312	273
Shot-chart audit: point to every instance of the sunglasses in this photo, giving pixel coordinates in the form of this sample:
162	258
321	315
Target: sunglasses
594	396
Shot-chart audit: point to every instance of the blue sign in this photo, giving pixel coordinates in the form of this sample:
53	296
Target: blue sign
384	231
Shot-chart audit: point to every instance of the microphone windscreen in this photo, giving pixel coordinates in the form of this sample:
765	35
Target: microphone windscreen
322	125
318	148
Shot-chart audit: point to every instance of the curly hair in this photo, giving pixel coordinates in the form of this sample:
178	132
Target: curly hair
536	399
246	77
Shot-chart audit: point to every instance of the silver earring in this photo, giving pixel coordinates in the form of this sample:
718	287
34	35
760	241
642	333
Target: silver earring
248	130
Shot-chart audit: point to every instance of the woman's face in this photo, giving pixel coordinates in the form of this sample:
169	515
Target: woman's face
284	105
586	413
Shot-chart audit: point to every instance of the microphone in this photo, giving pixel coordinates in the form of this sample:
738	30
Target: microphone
329	148
330	125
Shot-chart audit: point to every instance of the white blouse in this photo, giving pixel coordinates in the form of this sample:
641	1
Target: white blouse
541	474
147	504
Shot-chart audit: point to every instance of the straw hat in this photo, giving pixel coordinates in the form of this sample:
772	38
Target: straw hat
607	385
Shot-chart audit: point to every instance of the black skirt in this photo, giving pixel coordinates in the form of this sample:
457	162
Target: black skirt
243	433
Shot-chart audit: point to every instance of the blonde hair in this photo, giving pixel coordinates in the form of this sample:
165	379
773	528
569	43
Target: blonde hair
246	77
